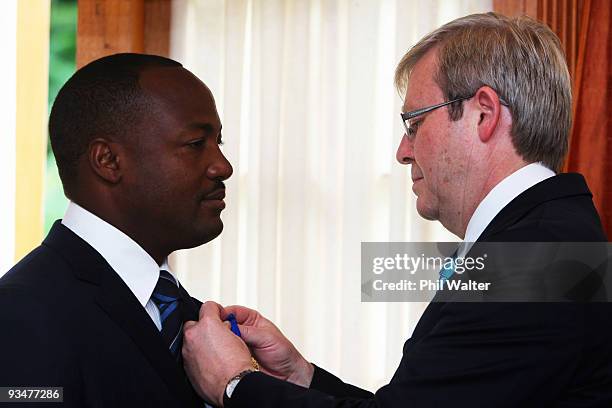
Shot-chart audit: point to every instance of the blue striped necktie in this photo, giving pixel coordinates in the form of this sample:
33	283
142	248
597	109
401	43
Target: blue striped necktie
167	299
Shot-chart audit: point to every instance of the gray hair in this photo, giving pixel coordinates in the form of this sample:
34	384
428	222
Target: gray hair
522	60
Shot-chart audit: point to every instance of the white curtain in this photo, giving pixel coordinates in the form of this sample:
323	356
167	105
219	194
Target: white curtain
311	123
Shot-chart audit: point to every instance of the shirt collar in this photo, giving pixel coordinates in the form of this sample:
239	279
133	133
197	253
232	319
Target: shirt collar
500	196
132	263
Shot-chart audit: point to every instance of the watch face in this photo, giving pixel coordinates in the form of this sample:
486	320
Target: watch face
231	386
233	383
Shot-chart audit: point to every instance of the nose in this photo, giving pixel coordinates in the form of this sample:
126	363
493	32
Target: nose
405	154
220	168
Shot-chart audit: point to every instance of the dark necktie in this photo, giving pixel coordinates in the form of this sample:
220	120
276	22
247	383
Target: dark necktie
167	299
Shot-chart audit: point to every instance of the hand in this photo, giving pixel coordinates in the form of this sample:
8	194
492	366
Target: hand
212	353
272	350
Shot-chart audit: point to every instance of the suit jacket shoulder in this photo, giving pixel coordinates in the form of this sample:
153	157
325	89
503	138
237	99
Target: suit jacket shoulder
558	209
69	320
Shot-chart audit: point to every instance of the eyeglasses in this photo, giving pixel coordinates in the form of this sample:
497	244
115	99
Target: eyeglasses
412	126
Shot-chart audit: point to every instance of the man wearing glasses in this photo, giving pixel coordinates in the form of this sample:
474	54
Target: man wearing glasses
487	113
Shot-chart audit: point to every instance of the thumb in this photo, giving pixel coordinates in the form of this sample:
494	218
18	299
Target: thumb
210	309
254	336
188	324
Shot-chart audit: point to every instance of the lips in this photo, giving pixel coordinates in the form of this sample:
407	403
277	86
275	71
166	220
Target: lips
214	199
414	184
416	173
218	194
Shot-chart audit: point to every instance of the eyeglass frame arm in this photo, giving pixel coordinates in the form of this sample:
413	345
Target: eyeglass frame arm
422	111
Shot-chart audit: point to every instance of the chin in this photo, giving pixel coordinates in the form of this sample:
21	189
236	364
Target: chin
202	234
211	231
427	212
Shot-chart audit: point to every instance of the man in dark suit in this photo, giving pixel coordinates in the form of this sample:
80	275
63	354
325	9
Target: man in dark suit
96	309
487	115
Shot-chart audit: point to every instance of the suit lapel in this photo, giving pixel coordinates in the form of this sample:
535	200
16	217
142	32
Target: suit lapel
125	310
120	304
191	306
428	320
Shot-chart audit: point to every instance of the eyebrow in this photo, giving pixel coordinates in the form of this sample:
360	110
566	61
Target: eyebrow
406	107
206	127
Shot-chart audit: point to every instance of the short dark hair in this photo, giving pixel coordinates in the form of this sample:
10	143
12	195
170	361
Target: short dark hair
103	98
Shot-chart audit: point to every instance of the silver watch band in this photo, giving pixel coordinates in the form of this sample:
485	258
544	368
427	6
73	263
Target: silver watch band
233	382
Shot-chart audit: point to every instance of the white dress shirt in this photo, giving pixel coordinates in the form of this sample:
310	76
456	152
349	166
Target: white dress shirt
132	263
499	197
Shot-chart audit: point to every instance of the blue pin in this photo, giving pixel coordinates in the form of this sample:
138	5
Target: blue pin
234	327
234	324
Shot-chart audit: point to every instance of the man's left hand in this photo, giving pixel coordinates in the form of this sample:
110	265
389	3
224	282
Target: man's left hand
213	354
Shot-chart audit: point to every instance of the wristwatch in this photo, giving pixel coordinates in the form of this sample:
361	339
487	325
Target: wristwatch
233	382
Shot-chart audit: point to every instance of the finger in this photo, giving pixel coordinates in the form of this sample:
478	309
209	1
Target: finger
211	309
243	315
253	336
188	324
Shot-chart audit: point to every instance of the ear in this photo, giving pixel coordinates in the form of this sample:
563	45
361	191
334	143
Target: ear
104	160
490	109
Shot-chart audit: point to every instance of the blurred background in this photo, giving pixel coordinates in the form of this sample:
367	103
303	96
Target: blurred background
305	92
62	64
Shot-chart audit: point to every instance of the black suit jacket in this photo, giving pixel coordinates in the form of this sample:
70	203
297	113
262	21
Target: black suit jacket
68	320
489	354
